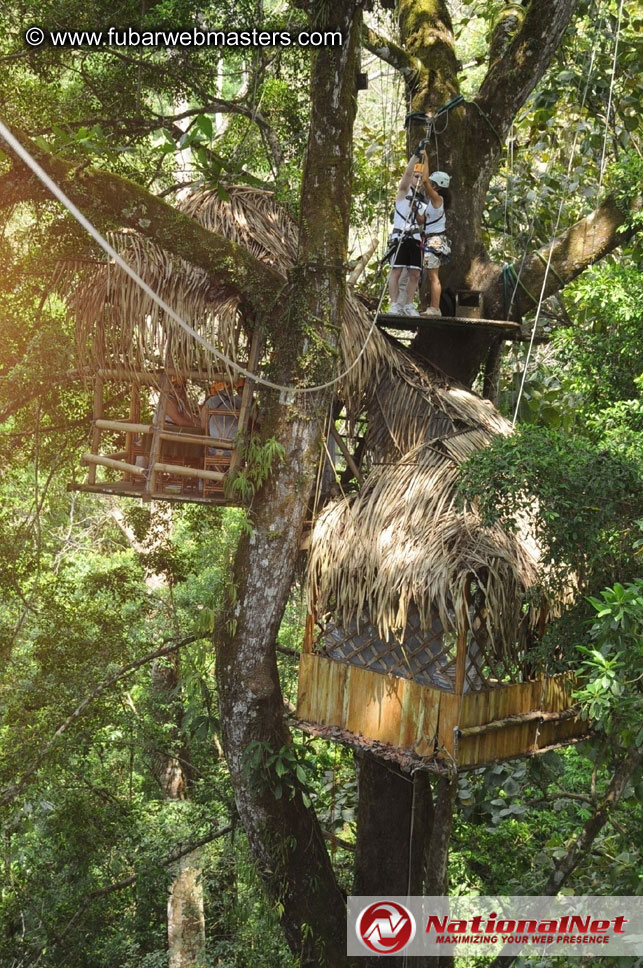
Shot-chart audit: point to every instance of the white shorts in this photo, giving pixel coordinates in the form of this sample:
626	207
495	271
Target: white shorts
437	251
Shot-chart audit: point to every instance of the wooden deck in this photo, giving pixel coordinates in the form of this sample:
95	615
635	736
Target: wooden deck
504	328
370	710
134	489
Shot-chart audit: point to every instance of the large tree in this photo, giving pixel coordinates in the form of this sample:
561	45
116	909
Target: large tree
524	41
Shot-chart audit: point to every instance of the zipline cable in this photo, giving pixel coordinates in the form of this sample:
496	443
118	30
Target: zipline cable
560	209
588	74
58	193
609	100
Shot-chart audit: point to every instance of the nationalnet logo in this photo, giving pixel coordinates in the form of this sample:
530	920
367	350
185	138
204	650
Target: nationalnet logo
559	926
385	927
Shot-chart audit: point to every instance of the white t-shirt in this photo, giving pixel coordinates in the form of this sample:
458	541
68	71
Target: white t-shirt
436	220
402	220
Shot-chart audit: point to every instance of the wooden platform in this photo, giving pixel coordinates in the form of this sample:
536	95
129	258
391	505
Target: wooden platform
127	489
439	729
504	328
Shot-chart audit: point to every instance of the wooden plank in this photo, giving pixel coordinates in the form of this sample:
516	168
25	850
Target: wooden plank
507	328
97	413
449	716
429	701
374	705
119	465
304	688
497	724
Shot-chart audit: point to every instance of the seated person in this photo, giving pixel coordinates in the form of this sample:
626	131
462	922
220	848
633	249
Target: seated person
220	414
180	417
178	410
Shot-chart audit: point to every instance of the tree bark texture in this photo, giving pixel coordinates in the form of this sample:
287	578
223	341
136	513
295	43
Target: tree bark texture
393	819
391	826
284	835
185	911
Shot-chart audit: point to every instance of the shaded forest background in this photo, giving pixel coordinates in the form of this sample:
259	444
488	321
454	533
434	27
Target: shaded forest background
114	788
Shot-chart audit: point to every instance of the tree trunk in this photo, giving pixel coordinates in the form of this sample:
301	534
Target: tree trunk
283	834
392	819
185	913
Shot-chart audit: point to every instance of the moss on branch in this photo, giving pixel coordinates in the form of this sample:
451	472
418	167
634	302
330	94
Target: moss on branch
114	202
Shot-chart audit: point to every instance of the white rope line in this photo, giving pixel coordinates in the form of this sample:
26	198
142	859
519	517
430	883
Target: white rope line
58	193
532	225
553	236
609	101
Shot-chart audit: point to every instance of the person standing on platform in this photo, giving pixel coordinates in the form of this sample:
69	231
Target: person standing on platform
437	248
406	239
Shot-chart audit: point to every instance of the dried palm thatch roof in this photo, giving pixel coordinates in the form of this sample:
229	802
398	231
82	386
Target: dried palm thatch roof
402	538
118	327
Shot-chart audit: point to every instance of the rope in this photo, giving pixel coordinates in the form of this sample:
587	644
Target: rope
609	100
488	120
508	272
588	74
553	268
560	210
58	193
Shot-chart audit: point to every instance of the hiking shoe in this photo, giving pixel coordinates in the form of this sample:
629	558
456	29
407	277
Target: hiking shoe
396	309
410	310
431	311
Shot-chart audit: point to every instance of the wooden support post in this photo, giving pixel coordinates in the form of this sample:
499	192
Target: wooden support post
337	437
246	399
134	417
97	413
461	666
308	633
157	427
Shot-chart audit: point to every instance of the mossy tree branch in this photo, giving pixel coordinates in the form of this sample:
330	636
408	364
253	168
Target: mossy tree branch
391	53
512	77
580	246
114	202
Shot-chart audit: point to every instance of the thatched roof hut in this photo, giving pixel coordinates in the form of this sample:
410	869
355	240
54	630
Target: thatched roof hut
402	580
403	538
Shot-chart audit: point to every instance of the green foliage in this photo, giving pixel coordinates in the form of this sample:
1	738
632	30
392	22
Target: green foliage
259	458
611	694
625	178
284	772
582	524
538	806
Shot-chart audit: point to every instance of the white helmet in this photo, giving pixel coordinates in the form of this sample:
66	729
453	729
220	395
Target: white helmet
441	179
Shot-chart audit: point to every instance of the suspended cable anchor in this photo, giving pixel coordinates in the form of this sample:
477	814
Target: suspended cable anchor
428	119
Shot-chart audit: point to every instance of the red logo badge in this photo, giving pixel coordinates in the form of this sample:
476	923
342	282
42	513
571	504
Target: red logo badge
385	927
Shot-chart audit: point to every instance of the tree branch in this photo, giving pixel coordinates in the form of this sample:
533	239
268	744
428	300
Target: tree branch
112	201
584	243
12	791
581	845
391	53
512	77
